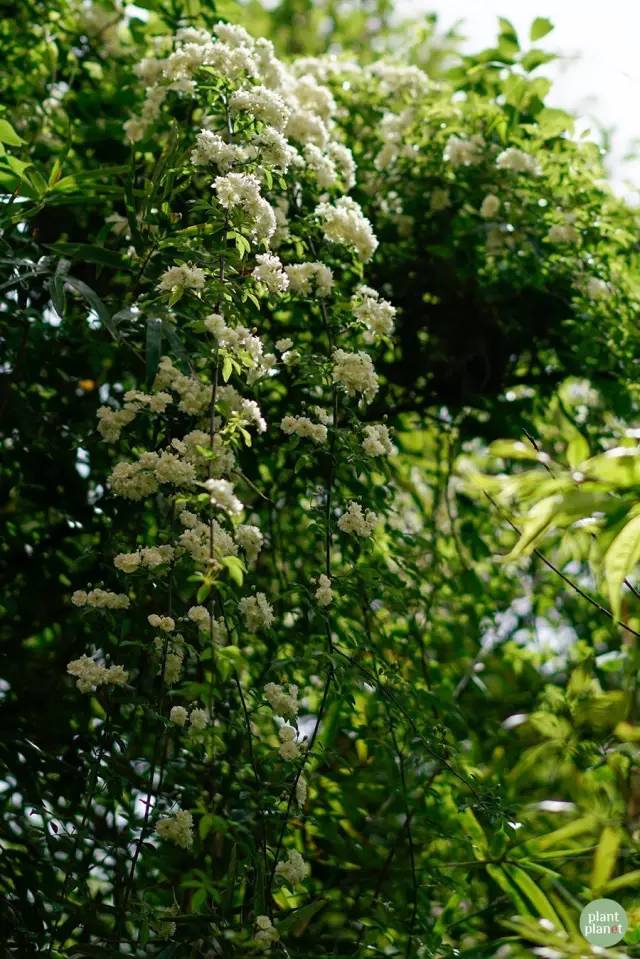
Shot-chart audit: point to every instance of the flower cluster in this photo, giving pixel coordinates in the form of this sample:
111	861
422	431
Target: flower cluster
177	829
90	674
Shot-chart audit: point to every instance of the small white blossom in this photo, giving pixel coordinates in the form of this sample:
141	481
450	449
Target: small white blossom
211	148
518	161
303	426
222	495
257	612
306	278
301	791
289	749
461	152
293	869
269	272
324	593
241	191
490	206
199	718
100	599
355	372
90	674
377	441
344	222
357	522
182	277
250	539
164	623
178	715
596	288
283	702
266	934
178	829
376	314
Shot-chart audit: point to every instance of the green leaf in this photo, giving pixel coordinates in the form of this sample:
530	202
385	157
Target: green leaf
577	450
619	560
95	303
551	122
605	857
88	253
617	467
8	135
499	876
227	368
296	922
203	592
475	833
621	882
534	894
535	58
514	450
540	27
235	567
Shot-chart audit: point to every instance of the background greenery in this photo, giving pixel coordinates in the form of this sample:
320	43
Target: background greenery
492	780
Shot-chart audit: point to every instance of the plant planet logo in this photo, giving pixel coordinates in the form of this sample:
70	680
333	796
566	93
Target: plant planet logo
603	922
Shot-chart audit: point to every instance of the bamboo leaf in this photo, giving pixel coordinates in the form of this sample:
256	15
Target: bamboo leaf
605	857
619	561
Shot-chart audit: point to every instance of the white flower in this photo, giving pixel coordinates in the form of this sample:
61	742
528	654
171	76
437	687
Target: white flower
221	495
324	593
301	791
261	103
273	149
490	206
283	702
266	934
199	718
461	152
518	161
249	538
257	612
345	223
127	562
563	233
294	869
200	616
596	288
178	829
181	277
303	426
269	272
289	748
178	715
88	674
356	522
376	314
377	441
100	599
241	191
284	344
355	372
111	422
211	148
305	278
164	623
